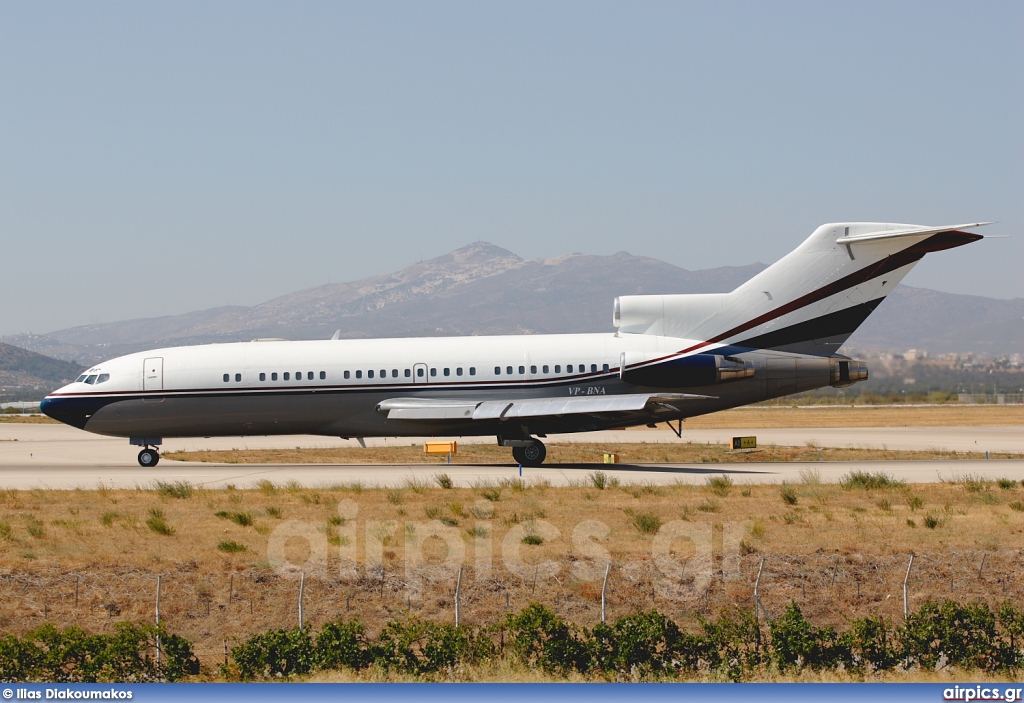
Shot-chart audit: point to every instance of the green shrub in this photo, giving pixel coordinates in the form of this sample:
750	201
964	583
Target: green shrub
177	489
868	481
419	647
869	643
789	494
645	643
444	481
158	523
538	637
719	485
646	523
275	653
231	547
342	644
731	644
243	519
533	539
960	634
796	642
70	655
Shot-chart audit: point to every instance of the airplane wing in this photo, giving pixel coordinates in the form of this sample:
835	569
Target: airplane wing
430	409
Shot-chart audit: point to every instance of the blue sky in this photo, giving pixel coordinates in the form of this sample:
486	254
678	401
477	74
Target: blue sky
157	158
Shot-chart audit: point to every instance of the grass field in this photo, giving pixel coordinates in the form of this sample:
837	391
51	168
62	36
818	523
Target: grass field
565	453
230	559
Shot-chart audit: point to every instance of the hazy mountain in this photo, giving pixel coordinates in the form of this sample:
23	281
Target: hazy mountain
21	367
484	289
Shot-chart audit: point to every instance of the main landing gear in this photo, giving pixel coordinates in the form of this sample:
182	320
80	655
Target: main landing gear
150	455
528	452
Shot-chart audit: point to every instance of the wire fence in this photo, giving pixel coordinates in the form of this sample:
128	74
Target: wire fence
215	611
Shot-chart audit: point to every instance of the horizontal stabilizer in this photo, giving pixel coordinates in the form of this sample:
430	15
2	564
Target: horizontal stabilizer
910	232
428	409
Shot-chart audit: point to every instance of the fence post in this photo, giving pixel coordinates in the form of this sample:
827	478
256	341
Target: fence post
302	591
906	597
757	597
604	589
159	582
458	587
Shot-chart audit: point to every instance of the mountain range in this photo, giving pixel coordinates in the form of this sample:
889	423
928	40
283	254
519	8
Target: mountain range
484	289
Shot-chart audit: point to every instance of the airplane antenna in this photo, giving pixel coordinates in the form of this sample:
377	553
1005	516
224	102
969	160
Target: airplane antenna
337	335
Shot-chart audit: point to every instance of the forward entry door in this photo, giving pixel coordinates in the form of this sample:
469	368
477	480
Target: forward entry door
153	374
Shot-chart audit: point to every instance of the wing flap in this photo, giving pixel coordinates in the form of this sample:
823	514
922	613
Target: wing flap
429	409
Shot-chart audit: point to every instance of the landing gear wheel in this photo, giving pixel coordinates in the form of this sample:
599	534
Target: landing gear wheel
148	458
532	455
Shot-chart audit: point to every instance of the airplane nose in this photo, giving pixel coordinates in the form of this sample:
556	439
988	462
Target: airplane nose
71	411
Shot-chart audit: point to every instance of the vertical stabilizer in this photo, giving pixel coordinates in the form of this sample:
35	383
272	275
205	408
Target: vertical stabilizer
810	301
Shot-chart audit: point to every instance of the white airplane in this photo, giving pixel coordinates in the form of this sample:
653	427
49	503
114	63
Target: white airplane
672	357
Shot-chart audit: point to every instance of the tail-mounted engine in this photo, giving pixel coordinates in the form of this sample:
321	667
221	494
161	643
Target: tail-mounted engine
846	372
689	371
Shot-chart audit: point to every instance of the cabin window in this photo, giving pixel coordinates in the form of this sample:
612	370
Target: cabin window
533	369
103	377
383	373
226	378
568	368
394	373
346	375
593	367
472	371
458	371
408	373
433	371
309	375
606	367
369	374
419	373
273	376
522	370
508	370
544	368
298	375
286	376
238	378
323	375
359	374
263	377
558	368
497	370
447	372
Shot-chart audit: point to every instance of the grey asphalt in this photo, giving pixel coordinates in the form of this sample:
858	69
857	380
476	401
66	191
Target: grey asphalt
57	456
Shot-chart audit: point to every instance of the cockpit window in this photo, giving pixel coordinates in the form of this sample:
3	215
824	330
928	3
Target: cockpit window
103	377
91	379
81	378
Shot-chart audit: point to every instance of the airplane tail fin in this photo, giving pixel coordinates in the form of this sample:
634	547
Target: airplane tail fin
808	302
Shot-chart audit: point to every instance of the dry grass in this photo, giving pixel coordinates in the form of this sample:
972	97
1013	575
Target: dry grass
574	454
100	543
28	420
758	417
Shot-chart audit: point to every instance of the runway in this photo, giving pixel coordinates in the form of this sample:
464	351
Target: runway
57	456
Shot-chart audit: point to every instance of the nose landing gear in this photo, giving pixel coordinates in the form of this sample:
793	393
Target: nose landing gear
150	455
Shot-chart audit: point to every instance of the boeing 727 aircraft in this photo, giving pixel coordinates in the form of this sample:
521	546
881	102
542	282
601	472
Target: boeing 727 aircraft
671	357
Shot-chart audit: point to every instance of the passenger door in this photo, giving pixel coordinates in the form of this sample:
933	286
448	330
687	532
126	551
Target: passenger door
153	374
